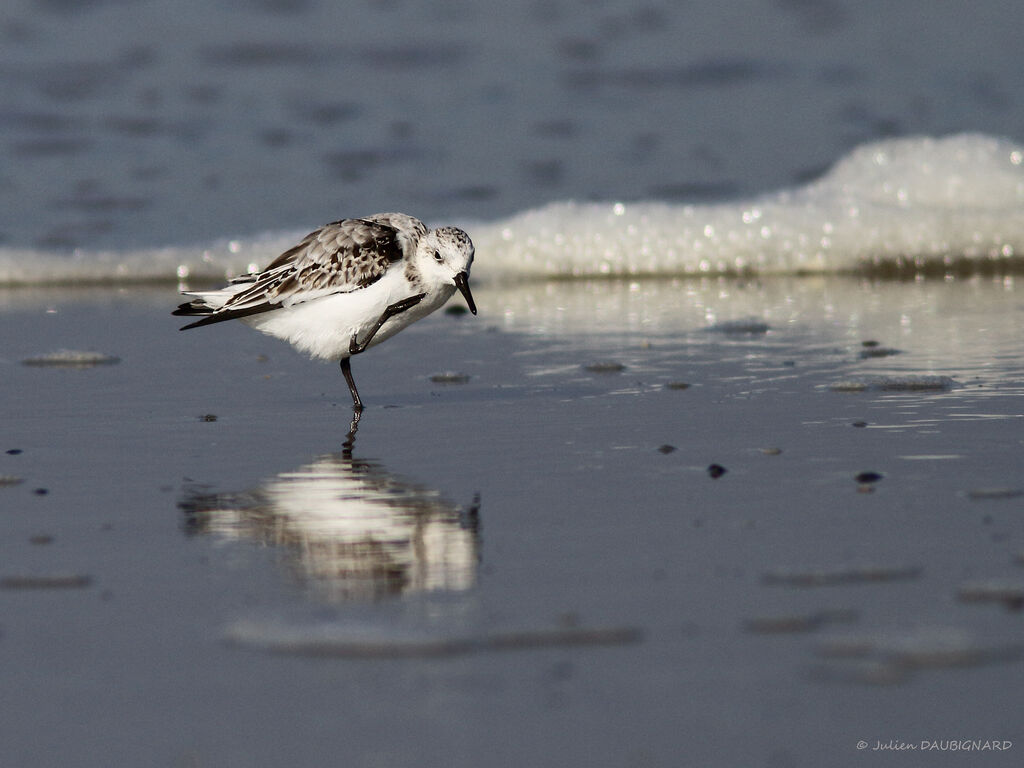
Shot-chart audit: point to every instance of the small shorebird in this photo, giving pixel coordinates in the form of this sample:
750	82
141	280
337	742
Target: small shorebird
346	287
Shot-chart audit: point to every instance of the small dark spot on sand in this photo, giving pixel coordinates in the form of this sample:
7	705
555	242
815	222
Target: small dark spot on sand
801	622
910	383
677	385
46	581
569	619
42	538
789	363
832	577
450	377
866	354
666	448
716	471
70	358
14	451
605	367
868	477
208	417
979	494
456	309
338	640
746	326
1009	593
869	343
41	491
860	424
917	384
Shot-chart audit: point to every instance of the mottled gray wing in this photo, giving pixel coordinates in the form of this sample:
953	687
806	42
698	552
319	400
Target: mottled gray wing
408	227
340	257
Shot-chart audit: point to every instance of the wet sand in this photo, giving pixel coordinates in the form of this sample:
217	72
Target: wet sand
539	559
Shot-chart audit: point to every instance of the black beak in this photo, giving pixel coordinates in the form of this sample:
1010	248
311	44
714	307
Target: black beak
462	283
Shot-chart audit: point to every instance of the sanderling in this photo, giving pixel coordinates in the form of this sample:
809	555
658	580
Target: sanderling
346	287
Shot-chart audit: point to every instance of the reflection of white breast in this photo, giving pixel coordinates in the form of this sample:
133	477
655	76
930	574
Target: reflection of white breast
354	530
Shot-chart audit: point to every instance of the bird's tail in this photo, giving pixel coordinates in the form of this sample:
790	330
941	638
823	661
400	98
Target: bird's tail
205	303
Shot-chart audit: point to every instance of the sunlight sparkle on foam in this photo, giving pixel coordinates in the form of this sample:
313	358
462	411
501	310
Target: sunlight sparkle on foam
912	200
915	200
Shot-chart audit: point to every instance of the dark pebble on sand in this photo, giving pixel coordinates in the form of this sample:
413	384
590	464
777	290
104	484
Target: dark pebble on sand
14	451
677	385
716	471
869	344
208	417
666	448
868	477
41	491
860	424
607	367
450	378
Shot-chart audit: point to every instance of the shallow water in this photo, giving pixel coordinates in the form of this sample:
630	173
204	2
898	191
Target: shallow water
534	566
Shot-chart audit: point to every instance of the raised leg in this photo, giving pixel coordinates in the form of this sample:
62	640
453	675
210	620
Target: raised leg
346	370
355	346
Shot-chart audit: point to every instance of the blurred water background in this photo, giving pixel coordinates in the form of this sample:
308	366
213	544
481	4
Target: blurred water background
128	124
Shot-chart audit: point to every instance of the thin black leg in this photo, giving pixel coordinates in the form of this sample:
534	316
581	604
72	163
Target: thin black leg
355	346
346	369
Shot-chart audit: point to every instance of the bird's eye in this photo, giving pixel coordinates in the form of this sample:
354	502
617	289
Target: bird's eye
437	256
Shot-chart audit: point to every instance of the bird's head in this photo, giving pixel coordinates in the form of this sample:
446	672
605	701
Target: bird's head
445	255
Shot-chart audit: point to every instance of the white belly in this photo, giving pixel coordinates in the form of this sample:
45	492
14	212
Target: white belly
324	327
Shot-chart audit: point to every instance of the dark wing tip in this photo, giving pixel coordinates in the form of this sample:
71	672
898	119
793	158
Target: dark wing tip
193	309
187	309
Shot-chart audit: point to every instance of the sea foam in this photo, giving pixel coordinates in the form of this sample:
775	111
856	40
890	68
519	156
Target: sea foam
907	204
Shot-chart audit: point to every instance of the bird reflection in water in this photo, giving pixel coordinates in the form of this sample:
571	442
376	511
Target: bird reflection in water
351	529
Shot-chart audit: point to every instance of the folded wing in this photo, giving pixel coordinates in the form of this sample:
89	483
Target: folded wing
340	257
